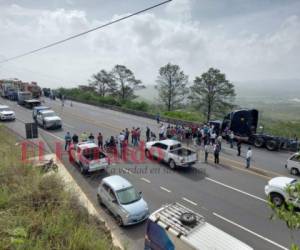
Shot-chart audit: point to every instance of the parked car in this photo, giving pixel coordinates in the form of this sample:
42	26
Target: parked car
276	190
6	113
48	119
122	200
171	152
88	156
37	109
293	164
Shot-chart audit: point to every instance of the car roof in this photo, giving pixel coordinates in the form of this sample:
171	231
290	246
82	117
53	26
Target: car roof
169	142
47	111
3	106
117	182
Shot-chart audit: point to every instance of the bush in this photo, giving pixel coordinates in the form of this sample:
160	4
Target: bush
140	106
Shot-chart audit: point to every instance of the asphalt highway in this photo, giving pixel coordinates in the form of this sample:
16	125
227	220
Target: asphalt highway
228	195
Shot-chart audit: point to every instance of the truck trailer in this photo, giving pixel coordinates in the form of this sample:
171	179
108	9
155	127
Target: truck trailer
243	123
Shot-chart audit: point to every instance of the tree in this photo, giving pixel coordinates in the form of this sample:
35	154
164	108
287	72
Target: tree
127	83
172	85
212	93
289	213
104	83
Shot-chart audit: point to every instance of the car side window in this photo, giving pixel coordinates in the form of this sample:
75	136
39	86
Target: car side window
112	194
105	187
296	158
163	146
157	145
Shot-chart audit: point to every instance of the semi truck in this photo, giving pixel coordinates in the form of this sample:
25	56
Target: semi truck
243	123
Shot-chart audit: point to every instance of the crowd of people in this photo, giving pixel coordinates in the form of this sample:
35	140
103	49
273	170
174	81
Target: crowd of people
207	136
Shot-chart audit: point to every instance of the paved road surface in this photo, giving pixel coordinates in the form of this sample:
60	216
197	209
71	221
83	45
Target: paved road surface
228	195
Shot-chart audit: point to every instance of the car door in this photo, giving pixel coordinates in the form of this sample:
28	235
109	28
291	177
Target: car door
104	190
157	149
39	119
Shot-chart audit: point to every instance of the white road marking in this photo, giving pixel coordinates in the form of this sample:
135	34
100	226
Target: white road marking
237	190
67	125
165	189
126	171
146	180
251	232
189	201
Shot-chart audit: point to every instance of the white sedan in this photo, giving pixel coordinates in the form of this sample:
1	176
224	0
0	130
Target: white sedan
6	113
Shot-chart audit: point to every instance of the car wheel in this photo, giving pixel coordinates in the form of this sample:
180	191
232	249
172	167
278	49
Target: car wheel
259	142
271	145
99	200
82	170
294	171
119	221
172	164
147	153
277	200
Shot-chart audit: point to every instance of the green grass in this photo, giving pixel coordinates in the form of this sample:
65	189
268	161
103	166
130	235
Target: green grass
37	213
184	115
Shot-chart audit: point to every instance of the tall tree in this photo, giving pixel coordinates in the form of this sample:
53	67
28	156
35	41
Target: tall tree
212	92
104	83
172	85
127	83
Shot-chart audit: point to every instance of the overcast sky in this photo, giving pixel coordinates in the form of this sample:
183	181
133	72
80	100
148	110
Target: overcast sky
246	39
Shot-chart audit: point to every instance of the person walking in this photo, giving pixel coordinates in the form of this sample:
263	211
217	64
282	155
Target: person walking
231	138
206	152
216	153
248	157
75	138
68	140
219	141
100	140
148	134
239	146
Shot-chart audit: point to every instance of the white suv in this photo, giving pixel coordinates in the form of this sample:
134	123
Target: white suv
293	164
276	190
6	113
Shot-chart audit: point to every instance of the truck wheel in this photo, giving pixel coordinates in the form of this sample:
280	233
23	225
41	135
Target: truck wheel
172	164
294	171
277	199
259	142
271	145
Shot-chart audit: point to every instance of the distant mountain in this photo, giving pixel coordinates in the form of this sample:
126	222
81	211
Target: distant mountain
270	91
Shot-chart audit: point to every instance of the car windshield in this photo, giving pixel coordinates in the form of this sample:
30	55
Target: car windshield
128	195
4	109
49	114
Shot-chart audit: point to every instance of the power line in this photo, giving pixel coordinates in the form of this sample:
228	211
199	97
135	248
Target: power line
85	32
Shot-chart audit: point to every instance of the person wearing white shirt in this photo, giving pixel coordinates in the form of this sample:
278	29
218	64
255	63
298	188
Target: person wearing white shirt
248	157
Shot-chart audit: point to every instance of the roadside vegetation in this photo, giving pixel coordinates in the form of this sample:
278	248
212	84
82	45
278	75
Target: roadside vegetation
37	213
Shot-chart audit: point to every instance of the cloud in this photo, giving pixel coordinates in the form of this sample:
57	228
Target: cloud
147	42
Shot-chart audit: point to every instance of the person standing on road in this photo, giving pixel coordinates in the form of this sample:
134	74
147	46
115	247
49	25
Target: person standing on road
231	138
75	138
206	152
121	139
158	118
68	140
132	135
91	137
219	141
216	153
239	146
100	140
148	134
248	157
161	132
127	135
